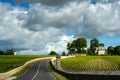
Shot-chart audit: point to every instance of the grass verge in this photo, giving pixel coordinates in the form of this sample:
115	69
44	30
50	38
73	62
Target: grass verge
57	75
23	70
9	62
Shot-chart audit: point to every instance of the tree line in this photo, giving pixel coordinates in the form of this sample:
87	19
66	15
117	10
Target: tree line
79	45
7	52
114	50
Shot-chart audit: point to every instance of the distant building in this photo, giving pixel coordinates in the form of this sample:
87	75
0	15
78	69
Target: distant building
100	51
13	51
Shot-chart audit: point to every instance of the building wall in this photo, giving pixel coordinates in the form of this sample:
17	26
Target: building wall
101	52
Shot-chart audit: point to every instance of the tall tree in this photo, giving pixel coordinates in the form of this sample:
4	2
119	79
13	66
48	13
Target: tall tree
63	53
77	45
117	50
1	52
80	44
94	44
70	48
110	50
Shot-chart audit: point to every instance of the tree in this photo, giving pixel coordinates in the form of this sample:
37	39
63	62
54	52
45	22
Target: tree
110	50
63	54
117	50
53	53
101	45
77	45
1	52
94	44
80	44
70	48
89	51
9	52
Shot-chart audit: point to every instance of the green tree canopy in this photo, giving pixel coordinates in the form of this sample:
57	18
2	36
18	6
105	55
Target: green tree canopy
53	53
117	50
63	53
94	43
80	44
1	52
110	50
101	44
77	45
70	48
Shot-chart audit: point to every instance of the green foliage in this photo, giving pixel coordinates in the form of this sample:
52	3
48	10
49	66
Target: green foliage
117	50
91	63
7	52
101	44
77	45
114	50
57	75
94	43
89	52
8	62
63	54
110	50
53	53
1	52
70	47
80	44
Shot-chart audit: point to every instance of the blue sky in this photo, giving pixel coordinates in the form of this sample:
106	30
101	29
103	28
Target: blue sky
13	3
39	26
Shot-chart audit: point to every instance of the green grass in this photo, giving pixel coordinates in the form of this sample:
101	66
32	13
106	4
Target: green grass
23	70
57	75
10	62
91	63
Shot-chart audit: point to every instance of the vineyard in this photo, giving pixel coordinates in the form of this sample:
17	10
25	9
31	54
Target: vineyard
91	63
8	62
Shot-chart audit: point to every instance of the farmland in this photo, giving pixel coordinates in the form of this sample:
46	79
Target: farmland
91	63
9	62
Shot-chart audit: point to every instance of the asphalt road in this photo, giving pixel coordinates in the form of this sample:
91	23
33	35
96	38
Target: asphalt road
38	71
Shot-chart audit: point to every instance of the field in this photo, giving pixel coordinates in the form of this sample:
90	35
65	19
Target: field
91	63
9	62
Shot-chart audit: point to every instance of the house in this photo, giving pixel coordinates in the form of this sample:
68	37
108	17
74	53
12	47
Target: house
101	51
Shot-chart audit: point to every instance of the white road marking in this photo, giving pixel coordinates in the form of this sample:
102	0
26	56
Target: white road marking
37	71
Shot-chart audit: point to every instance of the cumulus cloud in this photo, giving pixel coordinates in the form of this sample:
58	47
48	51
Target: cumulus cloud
82	17
44	26
14	35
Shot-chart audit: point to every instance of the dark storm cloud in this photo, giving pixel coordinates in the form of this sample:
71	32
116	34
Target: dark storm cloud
63	2
50	2
6	44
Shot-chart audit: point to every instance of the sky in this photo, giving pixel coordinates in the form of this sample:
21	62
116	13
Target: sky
40	26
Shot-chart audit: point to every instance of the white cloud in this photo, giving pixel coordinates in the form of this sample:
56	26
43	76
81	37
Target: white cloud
43	28
81	17
14	35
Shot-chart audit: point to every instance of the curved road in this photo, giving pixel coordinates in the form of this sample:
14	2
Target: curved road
38	71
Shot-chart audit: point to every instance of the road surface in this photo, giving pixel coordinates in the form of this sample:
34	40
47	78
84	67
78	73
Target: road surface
38	71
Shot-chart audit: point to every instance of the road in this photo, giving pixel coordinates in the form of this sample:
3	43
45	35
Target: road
38	71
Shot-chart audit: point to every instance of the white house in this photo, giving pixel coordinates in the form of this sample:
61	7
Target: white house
101	51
